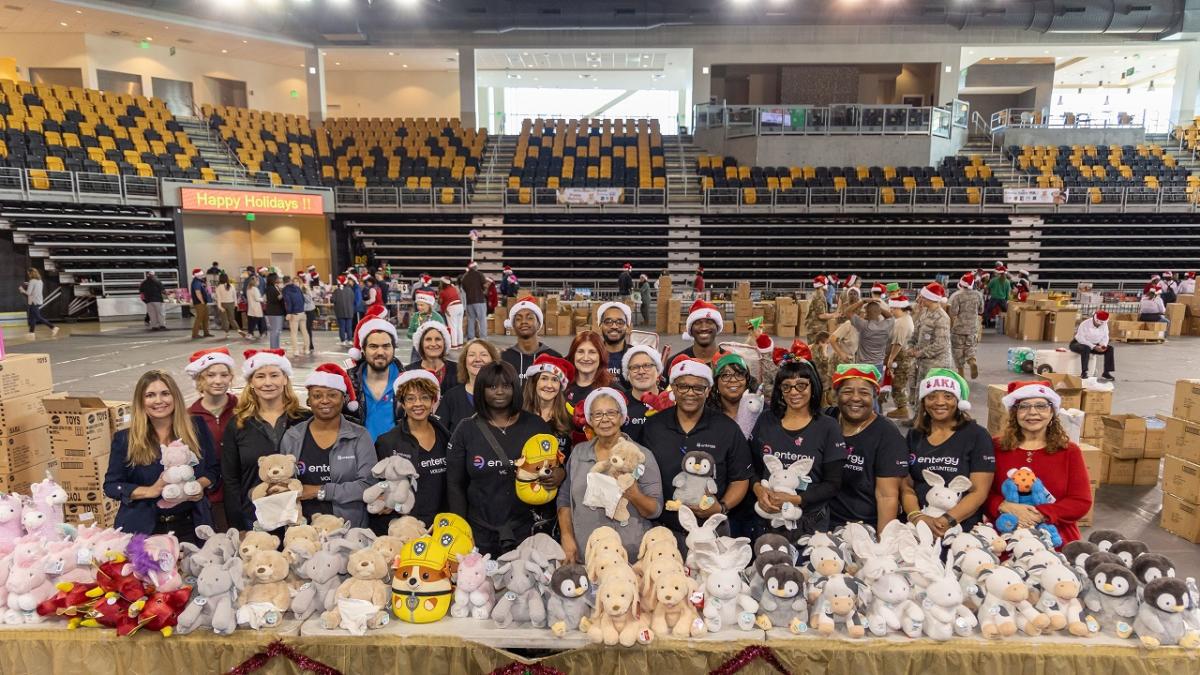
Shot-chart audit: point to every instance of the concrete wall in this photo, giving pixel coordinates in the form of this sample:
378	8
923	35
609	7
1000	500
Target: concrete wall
392	93
987	104
832	150
1036	76
1074	137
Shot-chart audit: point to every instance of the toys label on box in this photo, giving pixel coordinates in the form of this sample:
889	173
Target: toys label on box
24	375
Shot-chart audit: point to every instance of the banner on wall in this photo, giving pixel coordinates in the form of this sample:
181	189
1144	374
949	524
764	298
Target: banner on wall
590	196
1035	196
251	201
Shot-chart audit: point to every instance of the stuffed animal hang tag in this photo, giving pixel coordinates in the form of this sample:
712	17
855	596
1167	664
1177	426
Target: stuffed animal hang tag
639	471
83	556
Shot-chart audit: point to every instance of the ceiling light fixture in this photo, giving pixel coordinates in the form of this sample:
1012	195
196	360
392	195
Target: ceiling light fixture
404	65
391	53
224	51
63	24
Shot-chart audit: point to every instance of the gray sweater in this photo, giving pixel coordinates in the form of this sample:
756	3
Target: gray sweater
350	461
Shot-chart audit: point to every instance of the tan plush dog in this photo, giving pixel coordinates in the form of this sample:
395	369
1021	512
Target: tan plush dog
407	528
616	619
603	539
674	612
363	599
650	575
278	474
605	562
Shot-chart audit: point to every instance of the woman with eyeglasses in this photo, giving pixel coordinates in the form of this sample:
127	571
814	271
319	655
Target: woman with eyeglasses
419	438
1034	438
733	381
642	367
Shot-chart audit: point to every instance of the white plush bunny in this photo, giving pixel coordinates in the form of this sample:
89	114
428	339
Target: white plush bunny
942	497
942	602
727	600
705	538
791	480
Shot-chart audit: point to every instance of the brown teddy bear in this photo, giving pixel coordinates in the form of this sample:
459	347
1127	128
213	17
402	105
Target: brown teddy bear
363	599
329	525
278	474
254	541
299	542
267	596
622	463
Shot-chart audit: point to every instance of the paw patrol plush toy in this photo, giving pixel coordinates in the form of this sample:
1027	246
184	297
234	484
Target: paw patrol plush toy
540	456
421	587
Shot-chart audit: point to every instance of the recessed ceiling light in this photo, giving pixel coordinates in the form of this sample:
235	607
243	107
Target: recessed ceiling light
404	66
524	53
391	53
224	51
63	24
148	39
337	63
79	11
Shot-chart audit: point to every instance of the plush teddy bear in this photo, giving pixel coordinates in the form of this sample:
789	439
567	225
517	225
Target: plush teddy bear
329	526
396	490
622	468
252	542
1023	487
390	548
180	478
278	474
214	597
363	599
268	595
568	604
298	540
407	528
790	480
695	484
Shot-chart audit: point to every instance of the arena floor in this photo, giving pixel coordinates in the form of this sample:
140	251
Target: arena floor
107	359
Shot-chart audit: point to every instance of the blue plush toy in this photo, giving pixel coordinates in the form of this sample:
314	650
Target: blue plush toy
1023	487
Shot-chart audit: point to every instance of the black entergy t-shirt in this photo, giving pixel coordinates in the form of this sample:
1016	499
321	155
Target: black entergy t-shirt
313	469
821	440
878	451
968	450
429	463
614	366
636	421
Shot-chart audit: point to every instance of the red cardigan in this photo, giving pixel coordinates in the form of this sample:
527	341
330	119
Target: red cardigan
216	428
1064	475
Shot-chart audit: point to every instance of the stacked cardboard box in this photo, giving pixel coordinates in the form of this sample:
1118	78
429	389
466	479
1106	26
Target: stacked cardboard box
1190	325
1095	405
1181	468
1060	323
81	431
787	317
663	308
1126	331
997	418
25	455
1134	455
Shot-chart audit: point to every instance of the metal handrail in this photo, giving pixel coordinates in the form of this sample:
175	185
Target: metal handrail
1015	118
838	119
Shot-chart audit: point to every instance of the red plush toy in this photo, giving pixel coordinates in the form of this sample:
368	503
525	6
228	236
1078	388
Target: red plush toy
658	402
112	611
71	600
116	576
160	611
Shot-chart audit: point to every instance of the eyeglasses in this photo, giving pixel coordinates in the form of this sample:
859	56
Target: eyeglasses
606	415
799	387
641	367
421	398
614	323
732	377
690	388
1035	407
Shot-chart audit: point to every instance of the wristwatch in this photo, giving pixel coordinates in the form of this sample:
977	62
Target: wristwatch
321	495
951	521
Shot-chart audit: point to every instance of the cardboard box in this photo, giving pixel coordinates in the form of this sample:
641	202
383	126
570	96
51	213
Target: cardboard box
85	496
1095	461
1060	325
1187	400
1176	313
1032	322
1121	471
1086	520
24	450
25	375
1181	479
1099	402
79	425
82	473
1156	438
19	481
1180	518
1182	438
1068	387
1093	425
1146	471
119	415
787	312
563	324
21	413
786	331
100	513
1125	436
1191	326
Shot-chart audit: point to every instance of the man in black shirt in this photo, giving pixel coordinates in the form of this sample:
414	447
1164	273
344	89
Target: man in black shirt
689	426
614	319
525	319
151	291
625	284
704	324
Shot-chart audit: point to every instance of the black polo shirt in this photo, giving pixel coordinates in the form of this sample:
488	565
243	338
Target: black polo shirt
714	433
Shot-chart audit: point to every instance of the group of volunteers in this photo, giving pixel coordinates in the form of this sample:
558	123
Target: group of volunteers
465	422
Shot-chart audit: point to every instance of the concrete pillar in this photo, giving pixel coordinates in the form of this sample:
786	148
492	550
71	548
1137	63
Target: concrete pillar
466	87
314	78
1187	77
948	75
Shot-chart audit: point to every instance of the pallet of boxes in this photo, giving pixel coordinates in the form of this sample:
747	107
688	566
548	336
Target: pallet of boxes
1181	467
667	313
1184	315
25	457
81	430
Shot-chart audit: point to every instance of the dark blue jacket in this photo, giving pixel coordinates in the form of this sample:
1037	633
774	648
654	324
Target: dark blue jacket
141	515
199	290
293	299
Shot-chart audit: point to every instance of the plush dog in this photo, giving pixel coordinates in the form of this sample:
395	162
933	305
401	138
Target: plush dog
615	619
674	612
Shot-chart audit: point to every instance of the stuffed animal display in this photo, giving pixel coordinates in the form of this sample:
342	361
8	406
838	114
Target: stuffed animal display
396	489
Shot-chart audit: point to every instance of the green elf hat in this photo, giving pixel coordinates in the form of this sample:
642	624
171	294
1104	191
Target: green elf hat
893	288
729	359
860	371
944	379
755	323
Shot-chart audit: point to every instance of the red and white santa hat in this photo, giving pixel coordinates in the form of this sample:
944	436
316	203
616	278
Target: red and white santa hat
197	272
627	266
1101	315
418	374
899	302
618	305
426	278
851	280
529	303
934	292
966	281
640	349
419	334
682	365
1001	267
1019	391
545	363
253	359
333	376
702	309
1190	275
341	278
201	360
879	287
426	297
472	265
371	322
1168	275
764	344
820	281
599	392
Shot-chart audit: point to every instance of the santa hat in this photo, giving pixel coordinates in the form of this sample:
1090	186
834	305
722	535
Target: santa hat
560	367
1101	315
529	303
764	344
799	351
472	265
1019	391
333	376
253	359
426	278
859	371
506	268
371	322
966	281
201	360
851	280
419	334
702	309
604	391
341	279
899	302
447	280
683	365
1001	267
934	292
417	374
1190	275
263	270
618	305
640	349
1168	274
944	379
426	297
627	266
879	288
365	276
820	281
197	272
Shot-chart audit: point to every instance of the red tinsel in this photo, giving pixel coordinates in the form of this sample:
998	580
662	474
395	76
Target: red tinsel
746	656
516	668
277	648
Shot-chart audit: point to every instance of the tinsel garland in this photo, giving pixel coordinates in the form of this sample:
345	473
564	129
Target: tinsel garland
746	656
277	648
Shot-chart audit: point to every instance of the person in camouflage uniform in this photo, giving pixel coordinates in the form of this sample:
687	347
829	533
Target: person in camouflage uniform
899	362
966	306
823	360
817	318
931	334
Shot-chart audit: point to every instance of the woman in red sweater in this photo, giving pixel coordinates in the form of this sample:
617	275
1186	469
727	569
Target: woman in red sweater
1034	438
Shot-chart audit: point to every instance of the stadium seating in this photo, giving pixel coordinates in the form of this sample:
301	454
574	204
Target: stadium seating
50	129
409	153
1101	173
282	146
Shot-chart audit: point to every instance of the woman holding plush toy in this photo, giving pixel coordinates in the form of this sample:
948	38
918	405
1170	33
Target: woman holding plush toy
419	438
951	460
545	396
605	410
1041	481
136	476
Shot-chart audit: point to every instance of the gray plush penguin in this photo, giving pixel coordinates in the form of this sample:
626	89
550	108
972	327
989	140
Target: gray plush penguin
695	484
569	603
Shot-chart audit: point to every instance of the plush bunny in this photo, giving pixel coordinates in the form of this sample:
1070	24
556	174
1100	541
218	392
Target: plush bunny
790	481
1060	599
1163	617
474	596
942	603
320	574
727	601
892	608
179	475
1006	607
396	490
568	606
364	598
942	497
695	484
842	600
214	597
674	612
782	600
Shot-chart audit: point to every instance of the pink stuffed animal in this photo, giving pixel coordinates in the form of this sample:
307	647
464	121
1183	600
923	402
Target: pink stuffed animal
10	522
178	460
155	560
27	585
475	594
42	513
64	562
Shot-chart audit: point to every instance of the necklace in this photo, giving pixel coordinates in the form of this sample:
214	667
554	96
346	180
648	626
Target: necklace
860	427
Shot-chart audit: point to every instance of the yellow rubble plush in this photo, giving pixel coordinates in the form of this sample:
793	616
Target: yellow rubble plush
540	456
421	587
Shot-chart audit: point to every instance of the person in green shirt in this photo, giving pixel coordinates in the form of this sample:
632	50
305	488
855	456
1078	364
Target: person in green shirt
999	289
426	301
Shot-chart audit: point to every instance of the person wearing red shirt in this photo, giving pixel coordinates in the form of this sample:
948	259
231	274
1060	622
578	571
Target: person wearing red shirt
212	371
1035	438
698	284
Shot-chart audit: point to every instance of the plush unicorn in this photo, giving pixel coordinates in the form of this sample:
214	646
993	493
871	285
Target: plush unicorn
42	513
10	522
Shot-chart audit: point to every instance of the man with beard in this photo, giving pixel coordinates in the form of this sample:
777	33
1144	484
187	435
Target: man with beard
374	375
703	325
613	319
525	319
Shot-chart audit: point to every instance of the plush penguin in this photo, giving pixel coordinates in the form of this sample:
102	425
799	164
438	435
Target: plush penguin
1129	550
1163	616
1151	566
568	603
775	542
763	562
1114	596
782	601
1077	552
1104	539
695	484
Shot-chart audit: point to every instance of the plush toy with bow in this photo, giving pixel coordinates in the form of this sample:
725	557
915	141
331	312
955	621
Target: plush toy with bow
1024	487
42	514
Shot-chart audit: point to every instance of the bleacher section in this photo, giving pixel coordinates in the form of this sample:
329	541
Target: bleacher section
411	153
558	153
1100	174
50	130
281	146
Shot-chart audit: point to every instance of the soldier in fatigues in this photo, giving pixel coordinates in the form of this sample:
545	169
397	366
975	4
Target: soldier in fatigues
899	363
818	316
966	306
931	335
